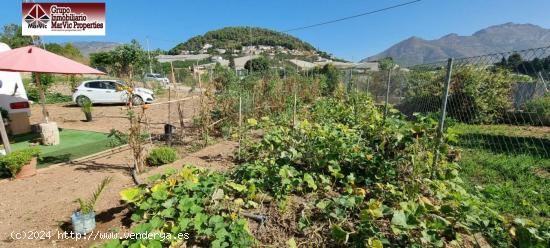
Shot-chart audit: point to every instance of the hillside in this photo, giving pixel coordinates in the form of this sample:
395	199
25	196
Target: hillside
88	47
499	38
236	37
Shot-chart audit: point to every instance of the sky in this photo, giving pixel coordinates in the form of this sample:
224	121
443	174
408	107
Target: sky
166	23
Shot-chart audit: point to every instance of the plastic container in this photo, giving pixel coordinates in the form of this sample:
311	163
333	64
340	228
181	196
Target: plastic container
83	223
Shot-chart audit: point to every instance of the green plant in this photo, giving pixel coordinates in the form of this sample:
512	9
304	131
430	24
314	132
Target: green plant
342	177
14	161
87	205
540	105
476	95
206	205
162	155
87	106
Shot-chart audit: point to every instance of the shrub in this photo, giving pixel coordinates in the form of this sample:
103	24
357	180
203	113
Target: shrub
260	64
162	155
87	106
14	161
476	95
540	105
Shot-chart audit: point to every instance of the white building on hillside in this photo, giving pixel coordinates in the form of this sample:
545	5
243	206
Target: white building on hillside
182	57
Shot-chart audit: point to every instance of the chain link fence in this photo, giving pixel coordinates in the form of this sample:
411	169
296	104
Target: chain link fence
497	102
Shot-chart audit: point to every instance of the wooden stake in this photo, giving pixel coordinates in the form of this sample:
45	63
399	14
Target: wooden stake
4	135
294	110
240	124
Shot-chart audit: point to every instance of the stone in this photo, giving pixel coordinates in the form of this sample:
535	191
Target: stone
49	133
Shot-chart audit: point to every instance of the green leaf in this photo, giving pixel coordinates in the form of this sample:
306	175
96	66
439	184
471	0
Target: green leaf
154	244
399	219
310	182
114	243
374	243
156	222
291	243
154	177
339	234
131	194
238	187
170	171
322	204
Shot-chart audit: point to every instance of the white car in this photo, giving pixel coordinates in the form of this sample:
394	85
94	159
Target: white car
156	77
108	91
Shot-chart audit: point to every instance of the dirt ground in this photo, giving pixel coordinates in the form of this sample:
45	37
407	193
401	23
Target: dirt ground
107	117
45	202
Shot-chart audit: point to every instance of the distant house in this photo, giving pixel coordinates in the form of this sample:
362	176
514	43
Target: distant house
182	57
216	59
302	65
253	50
368	66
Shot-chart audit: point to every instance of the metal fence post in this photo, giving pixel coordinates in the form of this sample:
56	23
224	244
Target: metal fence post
443	112
387	94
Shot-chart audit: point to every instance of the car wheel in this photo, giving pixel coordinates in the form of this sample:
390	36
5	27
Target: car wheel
81	100
137	100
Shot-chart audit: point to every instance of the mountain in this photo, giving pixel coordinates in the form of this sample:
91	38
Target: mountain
236	37
494	39
88	47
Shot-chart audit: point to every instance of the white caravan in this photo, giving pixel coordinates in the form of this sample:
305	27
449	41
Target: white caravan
13	99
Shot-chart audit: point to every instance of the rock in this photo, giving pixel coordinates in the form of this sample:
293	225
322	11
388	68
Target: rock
49	133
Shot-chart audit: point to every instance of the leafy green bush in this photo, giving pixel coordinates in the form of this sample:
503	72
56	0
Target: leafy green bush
540	105
162	155
14	161
476	95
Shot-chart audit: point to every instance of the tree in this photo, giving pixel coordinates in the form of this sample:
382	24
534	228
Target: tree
514	61
386	64
123	61
67	50
260	64
101	60
128	58
12	35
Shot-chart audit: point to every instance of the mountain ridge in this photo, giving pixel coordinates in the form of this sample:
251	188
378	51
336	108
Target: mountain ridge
493	39
88	47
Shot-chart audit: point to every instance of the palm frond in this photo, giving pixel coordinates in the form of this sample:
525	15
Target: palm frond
87	206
